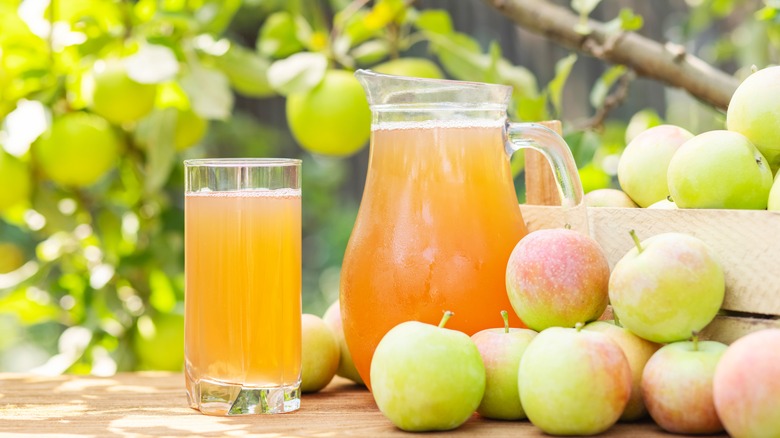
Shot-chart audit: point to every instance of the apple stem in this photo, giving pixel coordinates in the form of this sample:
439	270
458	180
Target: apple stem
636	241
447	315
616	318
505	315
695	340
579	326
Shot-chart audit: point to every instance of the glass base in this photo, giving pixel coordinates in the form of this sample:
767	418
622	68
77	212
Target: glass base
226	399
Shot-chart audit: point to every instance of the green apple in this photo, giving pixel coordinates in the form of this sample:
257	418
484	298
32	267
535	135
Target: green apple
425	377
663	204
557	277
746	386
319	353
346	368
638	351
501	350
774	195
643	165
413	67
15	185
754	112
719	169
573	381
667	287
115	96
677	387
608	198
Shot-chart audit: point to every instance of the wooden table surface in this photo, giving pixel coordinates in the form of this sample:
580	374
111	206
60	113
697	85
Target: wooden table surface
154	404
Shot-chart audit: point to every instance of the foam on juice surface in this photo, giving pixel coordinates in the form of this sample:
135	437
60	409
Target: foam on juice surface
439	124
248	193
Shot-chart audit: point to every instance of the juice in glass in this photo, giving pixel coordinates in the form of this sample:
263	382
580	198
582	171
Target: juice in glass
243	299
438	220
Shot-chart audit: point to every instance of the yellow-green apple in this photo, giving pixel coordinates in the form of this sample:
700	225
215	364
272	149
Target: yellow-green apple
347	369
754	112
667	287
664	204
425	377
719	169
638	351
414	67
608	198
573	381
677	387
501	350
557	277
319	353
643	165
774	195
747	385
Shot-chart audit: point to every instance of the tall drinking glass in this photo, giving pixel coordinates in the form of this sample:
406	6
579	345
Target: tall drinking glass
242	342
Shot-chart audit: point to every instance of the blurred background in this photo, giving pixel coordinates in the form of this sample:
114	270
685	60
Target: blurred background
101	100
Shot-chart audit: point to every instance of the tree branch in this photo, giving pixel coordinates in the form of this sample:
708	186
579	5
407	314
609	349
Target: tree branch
667	63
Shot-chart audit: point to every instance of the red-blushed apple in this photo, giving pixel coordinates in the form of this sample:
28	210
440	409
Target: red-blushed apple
573	381
425	377
747	386
638	351
677	386
346	368
754	112
608	198
667	287
319	353
557	277
501	350
719	169
644	162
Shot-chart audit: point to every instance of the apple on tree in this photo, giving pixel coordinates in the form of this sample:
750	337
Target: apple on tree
425	377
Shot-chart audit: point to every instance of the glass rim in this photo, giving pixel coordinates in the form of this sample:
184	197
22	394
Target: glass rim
242	162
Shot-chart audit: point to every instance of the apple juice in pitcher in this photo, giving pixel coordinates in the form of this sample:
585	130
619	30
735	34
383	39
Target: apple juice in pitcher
439	215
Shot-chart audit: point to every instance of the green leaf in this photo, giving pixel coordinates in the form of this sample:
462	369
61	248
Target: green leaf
371	51
246	71
156	135
494	56
278	37
460	55
521	79
152	64
602	86
297	73
208	90
215	16
630	21
435	20
584	7
383	13
533	109
163	297
354	26
555	87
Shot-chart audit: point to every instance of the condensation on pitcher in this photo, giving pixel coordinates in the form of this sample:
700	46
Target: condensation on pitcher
443	123
248	193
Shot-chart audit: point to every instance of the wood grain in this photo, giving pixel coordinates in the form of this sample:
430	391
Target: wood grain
154	404
540	187
744	241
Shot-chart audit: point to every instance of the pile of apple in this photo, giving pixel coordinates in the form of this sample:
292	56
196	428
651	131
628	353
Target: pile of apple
572	374
668	167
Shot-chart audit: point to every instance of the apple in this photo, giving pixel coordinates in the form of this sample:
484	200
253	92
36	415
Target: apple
640	122
557	277
608	198
664	204
425	377
677	386
319	353
346	368
638	351
754	113
643	165
501	350
667	287
412	67
719	169
746	386
573	381
774	195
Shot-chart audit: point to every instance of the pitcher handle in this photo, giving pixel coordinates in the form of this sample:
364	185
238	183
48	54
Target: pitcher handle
555	149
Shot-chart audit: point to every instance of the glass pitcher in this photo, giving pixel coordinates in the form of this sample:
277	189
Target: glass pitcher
439	215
